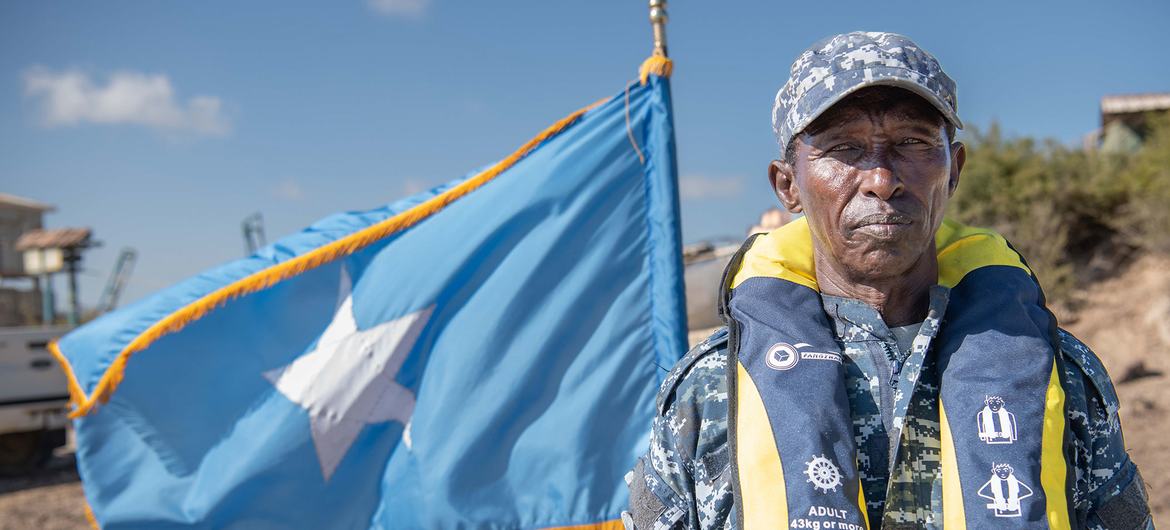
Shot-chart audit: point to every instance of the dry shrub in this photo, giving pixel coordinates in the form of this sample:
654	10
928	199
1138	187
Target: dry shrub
1145	218
1076	216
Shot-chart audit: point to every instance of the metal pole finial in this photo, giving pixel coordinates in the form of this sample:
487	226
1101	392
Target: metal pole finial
658	21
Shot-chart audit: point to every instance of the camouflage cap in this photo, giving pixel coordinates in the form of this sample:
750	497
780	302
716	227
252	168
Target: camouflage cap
842	64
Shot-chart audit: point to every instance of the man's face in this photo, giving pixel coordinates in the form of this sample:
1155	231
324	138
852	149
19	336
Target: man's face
873	176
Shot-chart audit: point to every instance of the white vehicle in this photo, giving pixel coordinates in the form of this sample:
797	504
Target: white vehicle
33	398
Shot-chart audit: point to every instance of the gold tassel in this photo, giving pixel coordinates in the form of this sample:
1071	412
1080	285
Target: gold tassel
659	65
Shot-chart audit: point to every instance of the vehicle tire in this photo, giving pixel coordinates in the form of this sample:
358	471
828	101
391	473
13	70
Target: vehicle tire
22	452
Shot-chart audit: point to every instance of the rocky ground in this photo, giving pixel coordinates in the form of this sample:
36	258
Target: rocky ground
49	499
1125	320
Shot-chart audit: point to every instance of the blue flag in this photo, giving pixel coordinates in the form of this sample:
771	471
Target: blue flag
485	354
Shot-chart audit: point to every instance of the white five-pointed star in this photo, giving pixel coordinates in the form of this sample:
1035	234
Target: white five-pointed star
348	381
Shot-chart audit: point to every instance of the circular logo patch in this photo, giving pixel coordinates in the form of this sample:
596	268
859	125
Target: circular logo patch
782	356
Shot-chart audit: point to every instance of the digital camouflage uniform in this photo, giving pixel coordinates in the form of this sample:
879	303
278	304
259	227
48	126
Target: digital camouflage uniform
684	481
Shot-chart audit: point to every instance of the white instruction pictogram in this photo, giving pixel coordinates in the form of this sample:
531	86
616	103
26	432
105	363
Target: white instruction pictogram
996	424
1004	491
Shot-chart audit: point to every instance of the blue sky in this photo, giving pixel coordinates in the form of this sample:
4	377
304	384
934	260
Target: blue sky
163	124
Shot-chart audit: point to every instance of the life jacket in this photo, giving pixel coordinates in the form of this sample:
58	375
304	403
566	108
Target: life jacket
1003	439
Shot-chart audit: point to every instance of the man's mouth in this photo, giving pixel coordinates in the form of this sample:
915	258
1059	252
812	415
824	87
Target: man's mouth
881	220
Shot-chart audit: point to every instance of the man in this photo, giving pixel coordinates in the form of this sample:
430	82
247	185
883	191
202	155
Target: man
882	367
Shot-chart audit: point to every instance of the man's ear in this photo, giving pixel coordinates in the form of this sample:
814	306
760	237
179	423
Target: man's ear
783	179
958	158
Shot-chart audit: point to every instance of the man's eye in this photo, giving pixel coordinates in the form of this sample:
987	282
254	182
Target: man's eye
842	147
910	141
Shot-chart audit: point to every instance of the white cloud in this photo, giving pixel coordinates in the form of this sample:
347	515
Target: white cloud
702	187
70	97
400	8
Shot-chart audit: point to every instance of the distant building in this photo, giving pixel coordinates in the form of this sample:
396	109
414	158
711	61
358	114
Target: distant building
20	297
17	216
1125	121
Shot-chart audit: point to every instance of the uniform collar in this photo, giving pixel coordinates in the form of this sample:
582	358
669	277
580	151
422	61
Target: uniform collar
854	320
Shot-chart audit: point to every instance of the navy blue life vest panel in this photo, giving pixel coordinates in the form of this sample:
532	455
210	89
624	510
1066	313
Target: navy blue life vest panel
790	352
996	356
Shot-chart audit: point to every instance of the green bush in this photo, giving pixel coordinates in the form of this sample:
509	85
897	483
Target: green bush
1145	218
1076	216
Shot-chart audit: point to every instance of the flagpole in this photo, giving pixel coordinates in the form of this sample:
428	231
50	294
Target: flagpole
658	21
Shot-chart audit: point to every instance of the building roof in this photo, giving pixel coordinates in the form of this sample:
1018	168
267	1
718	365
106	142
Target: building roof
1126	103
21	202
55	238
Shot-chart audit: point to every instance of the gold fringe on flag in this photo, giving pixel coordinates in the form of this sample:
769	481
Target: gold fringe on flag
615	524
656	64
281	271
89	518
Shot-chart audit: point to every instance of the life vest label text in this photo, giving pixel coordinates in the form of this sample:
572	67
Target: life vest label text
825	518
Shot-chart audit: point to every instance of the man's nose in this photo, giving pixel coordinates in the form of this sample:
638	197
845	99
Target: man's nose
880	180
